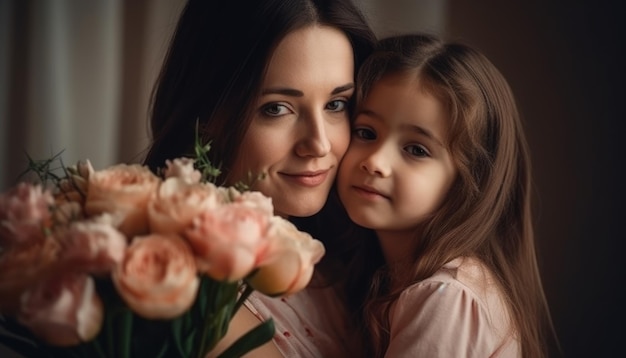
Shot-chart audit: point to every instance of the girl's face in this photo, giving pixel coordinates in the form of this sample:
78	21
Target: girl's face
397	169
300	130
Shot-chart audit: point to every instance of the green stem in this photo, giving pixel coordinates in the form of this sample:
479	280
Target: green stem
110	331
244	296
97	348
218	316
126	331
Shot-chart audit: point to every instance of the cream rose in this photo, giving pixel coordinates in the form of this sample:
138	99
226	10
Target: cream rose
67	211
183	169
63	311
158	277
255	199
289	262
123	190
74	187
178	202
228	241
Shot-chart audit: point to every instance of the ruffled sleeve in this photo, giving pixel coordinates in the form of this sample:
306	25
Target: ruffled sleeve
444	317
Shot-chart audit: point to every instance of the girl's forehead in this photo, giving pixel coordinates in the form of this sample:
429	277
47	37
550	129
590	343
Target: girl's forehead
404	102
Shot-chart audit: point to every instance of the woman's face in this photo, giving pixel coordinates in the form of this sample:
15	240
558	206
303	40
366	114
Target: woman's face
300	128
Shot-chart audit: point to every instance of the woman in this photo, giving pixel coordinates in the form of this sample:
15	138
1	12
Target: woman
270	85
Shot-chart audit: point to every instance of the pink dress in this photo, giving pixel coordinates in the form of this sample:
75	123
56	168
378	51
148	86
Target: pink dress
458	312
308	323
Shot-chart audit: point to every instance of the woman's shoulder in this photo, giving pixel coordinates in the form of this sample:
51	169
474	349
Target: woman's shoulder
309	323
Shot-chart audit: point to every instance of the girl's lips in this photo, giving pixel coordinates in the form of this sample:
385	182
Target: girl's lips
369	193
310	179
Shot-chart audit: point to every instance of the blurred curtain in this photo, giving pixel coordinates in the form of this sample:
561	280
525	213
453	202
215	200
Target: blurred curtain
392	17
76	76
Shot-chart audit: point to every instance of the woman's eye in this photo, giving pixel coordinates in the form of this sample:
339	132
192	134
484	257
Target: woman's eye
337	105
416	150
364	133
275	109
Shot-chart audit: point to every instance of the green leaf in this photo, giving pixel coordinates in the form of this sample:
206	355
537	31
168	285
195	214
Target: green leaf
244	296
253	339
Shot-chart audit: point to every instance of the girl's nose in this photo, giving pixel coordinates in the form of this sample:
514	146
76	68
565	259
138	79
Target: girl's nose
377	163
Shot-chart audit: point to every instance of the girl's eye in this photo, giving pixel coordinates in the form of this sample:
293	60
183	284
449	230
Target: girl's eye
364	133
338	105
416	150
275	109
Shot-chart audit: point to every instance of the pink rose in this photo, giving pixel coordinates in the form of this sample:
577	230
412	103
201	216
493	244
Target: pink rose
177	203
158	277
63	311
183	169
289	263
94	247
255	199
124	191
22	266
228	240
24	214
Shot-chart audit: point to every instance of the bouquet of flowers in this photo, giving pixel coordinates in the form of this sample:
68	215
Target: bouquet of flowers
123	262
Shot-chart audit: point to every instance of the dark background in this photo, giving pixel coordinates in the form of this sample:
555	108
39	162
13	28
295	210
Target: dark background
565	62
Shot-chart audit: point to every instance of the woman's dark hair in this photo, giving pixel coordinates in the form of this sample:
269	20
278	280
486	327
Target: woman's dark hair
216	64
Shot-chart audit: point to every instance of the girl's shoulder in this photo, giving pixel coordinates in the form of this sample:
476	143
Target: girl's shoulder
467	274
464	281
460	303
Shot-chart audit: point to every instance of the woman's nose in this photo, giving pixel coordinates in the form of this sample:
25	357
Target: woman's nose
315	141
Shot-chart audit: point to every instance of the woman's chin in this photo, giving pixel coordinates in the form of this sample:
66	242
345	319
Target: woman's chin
297	210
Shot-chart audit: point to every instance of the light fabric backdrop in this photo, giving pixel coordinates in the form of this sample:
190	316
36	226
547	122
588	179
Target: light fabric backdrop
76	75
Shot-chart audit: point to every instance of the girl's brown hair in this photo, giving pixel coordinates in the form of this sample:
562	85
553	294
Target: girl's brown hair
486	214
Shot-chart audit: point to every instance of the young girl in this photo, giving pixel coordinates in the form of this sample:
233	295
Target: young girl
438	167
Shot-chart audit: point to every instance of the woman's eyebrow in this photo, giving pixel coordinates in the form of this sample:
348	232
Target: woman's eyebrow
297	93
347	86
283	90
